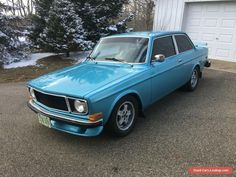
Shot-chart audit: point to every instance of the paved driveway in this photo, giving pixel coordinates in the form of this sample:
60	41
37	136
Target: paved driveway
182	130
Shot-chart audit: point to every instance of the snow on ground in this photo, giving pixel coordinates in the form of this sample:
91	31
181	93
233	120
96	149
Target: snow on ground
32	60
79	56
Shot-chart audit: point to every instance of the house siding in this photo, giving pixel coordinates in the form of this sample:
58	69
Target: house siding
168	15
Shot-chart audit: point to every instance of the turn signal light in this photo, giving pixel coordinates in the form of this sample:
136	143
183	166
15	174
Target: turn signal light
95	117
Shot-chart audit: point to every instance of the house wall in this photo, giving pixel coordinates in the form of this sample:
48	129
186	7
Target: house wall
168	15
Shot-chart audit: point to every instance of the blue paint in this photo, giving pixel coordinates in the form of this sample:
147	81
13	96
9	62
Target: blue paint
102	84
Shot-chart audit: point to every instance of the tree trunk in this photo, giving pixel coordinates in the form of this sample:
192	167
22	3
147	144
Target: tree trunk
67	54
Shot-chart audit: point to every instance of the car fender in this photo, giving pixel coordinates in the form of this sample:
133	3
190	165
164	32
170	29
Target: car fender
121	95
196	64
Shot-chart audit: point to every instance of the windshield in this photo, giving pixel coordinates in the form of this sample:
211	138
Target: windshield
121	49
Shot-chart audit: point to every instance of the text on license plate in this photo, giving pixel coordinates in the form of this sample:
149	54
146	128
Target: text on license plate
44	120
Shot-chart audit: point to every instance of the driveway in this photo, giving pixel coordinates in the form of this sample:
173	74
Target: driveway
180	131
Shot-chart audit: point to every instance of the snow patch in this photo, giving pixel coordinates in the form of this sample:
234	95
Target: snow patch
79	56
31	61
2	34
113	28
22	39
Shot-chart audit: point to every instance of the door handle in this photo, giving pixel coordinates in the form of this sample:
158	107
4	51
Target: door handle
180	60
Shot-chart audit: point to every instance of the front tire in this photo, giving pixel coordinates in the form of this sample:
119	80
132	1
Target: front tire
123	116
192	84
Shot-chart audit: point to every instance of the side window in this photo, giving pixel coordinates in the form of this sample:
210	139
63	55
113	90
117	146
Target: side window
164	46
183	43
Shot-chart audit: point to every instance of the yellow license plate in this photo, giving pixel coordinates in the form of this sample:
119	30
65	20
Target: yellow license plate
44	120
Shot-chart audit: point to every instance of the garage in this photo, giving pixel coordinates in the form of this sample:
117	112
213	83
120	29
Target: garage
213	22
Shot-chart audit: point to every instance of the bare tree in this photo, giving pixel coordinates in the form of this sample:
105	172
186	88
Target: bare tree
143	11
21	8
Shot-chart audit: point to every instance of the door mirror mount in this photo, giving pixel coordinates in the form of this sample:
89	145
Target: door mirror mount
160	58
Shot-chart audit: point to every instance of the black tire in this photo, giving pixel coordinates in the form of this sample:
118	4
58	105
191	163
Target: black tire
192	84
114	125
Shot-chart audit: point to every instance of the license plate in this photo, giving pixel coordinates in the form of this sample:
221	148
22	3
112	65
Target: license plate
44	120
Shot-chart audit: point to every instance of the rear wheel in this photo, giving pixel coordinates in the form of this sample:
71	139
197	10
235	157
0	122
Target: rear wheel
123	116
192	84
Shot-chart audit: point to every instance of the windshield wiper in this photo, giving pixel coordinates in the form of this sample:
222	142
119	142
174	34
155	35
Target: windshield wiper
118	60
90	58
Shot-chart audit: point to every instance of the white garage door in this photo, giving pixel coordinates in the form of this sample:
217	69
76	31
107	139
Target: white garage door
214	23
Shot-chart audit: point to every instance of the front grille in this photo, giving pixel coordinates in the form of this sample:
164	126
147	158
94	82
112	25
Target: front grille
51	101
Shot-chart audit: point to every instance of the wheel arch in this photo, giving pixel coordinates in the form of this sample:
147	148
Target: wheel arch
132	93
197	65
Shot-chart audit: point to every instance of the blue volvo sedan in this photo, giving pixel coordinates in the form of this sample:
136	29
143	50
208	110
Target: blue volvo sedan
122	76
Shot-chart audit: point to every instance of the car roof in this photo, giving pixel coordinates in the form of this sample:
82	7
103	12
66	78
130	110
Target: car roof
146	34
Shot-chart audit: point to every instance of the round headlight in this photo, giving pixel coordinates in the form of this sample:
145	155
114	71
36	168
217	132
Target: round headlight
32	93
80	106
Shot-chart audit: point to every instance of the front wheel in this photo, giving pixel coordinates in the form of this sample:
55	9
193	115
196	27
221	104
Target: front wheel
192	84
123	116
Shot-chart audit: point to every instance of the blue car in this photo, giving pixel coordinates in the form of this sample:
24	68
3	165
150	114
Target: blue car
122	76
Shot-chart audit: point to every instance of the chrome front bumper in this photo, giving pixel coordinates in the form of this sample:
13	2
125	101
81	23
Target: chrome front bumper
63	118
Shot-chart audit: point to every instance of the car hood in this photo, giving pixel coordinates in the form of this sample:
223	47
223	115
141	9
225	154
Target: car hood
81	79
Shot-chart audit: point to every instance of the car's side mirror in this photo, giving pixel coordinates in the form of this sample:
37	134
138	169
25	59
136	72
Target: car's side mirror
160	58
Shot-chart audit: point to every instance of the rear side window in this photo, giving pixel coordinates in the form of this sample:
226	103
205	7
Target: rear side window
183	43
164	46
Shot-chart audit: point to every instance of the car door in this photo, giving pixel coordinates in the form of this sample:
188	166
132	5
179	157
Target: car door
165	75
186	56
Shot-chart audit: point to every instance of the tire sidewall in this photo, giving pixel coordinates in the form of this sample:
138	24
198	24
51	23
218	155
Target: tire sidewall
112	123
198	76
